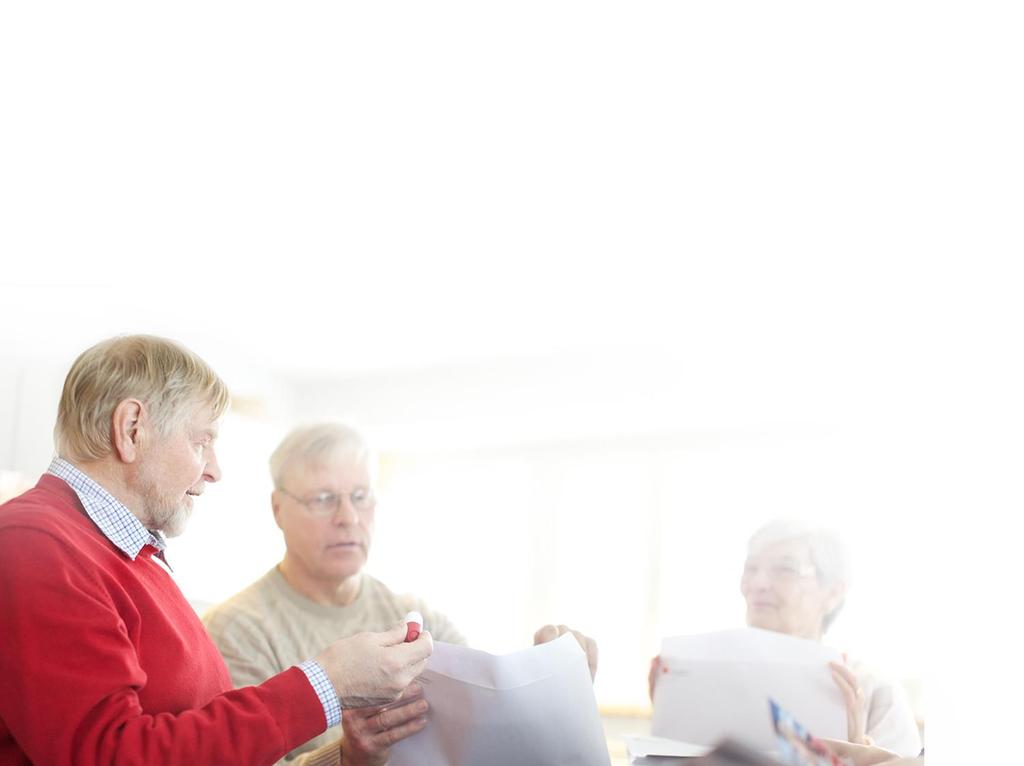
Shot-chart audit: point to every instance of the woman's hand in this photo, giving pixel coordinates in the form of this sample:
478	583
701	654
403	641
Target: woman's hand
861	755
856	704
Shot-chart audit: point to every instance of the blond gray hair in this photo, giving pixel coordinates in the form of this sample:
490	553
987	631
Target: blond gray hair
166	377
828	552
311	444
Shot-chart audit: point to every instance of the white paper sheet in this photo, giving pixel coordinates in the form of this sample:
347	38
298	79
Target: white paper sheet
718	685
533	707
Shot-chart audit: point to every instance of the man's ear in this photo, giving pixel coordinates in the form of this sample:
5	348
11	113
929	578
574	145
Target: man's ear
127	428
277	508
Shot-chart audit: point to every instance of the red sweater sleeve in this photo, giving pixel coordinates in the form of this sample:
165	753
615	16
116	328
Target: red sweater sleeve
72	676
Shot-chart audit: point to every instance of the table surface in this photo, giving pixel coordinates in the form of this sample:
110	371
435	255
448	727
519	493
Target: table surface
616	729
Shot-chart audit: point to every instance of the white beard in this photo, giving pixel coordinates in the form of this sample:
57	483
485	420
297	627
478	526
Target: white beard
176	521
171	519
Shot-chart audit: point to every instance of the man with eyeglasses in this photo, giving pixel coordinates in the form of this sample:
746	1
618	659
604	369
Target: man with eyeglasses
324	504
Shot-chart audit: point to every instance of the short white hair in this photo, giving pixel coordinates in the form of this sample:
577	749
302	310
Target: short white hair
828	552
312	444
168	378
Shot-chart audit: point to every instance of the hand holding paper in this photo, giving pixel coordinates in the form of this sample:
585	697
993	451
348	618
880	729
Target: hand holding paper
717	685
370	732
587	644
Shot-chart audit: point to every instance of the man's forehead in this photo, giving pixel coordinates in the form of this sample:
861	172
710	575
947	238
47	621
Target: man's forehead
203	421
333	469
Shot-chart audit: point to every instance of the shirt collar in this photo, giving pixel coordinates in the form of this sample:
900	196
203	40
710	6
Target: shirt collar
116	522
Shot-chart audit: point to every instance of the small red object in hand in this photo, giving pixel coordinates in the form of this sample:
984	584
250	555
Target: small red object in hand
414	626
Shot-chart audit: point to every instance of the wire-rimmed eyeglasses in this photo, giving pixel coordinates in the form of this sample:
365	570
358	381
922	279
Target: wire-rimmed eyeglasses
327	503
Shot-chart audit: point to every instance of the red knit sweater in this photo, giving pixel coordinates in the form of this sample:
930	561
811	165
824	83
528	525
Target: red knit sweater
102	661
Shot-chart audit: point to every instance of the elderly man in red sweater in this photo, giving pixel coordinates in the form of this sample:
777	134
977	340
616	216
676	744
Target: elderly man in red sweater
101	658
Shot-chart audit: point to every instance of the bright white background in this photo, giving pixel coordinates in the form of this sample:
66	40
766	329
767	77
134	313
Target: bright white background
607	284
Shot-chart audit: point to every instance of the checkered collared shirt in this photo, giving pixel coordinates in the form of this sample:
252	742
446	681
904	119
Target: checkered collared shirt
117	523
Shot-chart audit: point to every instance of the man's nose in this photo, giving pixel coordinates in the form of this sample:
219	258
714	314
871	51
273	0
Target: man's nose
212	470
346	513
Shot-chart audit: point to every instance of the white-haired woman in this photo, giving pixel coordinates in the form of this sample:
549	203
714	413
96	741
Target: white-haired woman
794	581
